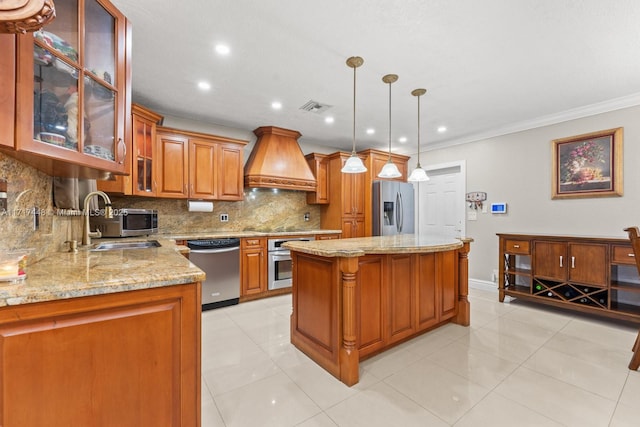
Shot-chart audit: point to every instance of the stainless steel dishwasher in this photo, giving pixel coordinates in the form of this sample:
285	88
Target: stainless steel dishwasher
220	260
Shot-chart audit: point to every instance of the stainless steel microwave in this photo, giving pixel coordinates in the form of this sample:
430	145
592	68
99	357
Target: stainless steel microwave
126	223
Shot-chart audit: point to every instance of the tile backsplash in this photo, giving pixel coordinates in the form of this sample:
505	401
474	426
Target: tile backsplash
29	192
261	210
28	196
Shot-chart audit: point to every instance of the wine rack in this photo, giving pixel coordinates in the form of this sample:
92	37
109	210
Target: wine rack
589	274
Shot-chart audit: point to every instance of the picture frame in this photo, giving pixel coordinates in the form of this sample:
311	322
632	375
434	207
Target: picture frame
588	165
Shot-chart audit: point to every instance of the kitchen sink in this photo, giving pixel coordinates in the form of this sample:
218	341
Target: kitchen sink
110	246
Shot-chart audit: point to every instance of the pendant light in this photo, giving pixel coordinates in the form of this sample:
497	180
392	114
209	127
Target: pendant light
390	170
354	163
418	174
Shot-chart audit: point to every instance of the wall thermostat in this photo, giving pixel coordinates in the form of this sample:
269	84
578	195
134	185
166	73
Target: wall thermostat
499	208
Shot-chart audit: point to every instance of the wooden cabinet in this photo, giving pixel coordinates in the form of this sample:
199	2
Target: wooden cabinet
253	266
72	92
376	159
320	169
347	208
399	295
575	262
125	359
141	164
350	195
198	166
594	275
173	165
7	89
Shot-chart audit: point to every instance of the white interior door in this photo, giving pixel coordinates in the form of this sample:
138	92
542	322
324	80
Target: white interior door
440	206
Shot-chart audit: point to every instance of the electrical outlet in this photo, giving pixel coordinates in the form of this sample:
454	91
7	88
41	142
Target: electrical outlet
224	217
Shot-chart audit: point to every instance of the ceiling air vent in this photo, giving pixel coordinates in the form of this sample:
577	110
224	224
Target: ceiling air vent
315	107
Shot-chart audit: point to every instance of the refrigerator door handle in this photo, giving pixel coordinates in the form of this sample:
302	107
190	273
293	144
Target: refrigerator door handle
400	212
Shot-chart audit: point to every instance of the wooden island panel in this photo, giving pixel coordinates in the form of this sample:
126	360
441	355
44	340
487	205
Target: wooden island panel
347	308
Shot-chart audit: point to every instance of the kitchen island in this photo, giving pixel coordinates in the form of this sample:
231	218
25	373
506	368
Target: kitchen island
354	298
102	338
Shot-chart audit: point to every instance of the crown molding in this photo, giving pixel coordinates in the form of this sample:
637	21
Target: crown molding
627	101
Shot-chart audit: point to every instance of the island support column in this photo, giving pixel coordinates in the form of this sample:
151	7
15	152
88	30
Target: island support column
349	355
463	317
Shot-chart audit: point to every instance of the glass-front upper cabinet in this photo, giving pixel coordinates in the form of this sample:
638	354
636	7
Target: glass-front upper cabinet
78	68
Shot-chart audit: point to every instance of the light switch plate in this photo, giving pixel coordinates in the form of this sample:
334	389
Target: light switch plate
472	216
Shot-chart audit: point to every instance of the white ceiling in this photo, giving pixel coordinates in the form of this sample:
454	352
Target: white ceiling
490	67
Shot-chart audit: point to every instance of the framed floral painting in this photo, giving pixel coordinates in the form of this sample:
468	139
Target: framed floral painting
588	165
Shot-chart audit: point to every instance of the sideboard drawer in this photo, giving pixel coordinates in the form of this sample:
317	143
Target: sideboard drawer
517	247
623	255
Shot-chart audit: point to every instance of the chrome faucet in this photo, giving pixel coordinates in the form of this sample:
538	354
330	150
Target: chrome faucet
87	234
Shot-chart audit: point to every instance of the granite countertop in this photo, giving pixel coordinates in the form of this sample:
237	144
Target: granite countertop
64	275
246	233
403	243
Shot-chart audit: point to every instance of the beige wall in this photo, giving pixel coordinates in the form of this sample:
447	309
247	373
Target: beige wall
516	169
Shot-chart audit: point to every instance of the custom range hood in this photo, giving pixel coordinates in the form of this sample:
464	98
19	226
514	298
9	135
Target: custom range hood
276	161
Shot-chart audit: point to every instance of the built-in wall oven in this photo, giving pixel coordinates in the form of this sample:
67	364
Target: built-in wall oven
280	272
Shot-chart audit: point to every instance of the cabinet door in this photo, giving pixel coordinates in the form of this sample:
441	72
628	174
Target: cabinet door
550	260
124	359
72	88
253	271
447	279
401	296
144	183
348	189
7	89
371	304
588	264
230	173
358	193
426	294
202	169
172	166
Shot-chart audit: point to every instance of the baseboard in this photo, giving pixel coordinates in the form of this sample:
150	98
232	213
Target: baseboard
483	285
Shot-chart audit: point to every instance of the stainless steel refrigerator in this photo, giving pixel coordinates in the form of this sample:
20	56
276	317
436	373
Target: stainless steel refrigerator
393	208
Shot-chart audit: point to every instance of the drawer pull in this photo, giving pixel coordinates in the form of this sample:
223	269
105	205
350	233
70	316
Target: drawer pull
516	246
631	255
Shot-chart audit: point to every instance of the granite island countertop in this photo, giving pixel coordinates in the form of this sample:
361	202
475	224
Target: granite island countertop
355	247
64	275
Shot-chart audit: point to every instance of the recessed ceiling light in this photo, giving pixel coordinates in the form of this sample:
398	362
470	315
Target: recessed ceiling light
328	119
223	49
371	131
204	85
442	129
402	139
276	105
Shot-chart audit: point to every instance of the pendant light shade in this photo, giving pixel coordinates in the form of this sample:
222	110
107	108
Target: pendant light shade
390	170
354	163
418	174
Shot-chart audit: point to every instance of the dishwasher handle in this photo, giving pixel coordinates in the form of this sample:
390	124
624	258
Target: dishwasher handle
214	251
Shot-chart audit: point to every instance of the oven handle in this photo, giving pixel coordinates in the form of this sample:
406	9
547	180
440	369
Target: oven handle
280	256
214	251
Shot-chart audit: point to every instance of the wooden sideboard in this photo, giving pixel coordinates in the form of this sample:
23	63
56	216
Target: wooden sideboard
590	274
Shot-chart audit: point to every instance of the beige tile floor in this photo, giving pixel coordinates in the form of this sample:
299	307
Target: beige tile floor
517	364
